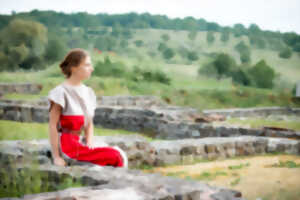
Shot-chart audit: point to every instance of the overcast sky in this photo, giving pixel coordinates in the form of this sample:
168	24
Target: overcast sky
275	15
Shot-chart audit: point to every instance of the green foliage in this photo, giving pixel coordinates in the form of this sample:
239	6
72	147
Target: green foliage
241	76
223	65
240	166
23	45
225	35
239	30
257	41
124	43
208	70
139	74
262	75
210	38
162	47
287	164
55	50
192	56
296	47
165	37
168	53
138	43
107	68
244	52
285	53
105	43
192	35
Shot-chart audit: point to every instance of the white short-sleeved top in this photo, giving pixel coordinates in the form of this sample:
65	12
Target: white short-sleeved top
69	103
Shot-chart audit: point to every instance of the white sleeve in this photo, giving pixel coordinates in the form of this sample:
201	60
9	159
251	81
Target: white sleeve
57	96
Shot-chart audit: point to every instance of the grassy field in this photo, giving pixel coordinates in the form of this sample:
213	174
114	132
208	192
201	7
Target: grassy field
187	88
31	131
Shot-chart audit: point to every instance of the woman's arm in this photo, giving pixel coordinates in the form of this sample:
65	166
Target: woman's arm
55	111
89	132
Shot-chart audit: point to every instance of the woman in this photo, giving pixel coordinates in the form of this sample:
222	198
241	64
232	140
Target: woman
71	110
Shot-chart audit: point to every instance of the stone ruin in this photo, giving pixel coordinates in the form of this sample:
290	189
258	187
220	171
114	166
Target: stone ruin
185	136
110	183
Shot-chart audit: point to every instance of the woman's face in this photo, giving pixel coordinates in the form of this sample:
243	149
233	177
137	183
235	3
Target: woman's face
84	70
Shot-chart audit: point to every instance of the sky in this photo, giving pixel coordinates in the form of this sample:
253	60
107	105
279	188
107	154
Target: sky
274	15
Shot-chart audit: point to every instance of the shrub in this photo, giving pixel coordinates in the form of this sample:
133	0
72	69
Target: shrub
139	74
192	56
107	68
262	75
285	53
168	53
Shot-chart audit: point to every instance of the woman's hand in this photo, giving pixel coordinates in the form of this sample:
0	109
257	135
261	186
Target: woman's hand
59	161
90	144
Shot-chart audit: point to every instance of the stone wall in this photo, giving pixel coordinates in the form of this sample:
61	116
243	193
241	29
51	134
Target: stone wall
150	121
29	88
254	112
106	182
161	152
110	181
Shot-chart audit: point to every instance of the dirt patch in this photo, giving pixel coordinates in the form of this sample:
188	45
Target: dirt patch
256	176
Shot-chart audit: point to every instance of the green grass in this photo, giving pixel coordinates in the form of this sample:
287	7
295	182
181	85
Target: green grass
17	183
209	176
31	131
187	88
260	122
235	182
287	164
240	166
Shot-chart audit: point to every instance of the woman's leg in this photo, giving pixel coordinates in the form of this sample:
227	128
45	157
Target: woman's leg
103	156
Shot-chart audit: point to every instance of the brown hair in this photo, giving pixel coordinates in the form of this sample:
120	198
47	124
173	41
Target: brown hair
72	59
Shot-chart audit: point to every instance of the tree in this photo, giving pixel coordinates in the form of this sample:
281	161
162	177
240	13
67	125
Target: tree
55	50
262	75
105	43
210	38
240	76
285	53
138	43
192	35
162	47
24	44
244	51
225	35
239	30
192	55
168	53
165	37
223	65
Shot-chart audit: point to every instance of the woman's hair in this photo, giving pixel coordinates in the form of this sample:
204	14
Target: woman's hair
72	59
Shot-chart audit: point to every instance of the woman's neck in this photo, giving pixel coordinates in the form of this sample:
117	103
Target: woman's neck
73	82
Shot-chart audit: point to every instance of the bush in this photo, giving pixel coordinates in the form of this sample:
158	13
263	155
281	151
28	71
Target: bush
162	47
107	68
168	53
262	75
192	56
285	53
210	38
208	70
138	43
139	74
223	65
165	37
244	52
240	76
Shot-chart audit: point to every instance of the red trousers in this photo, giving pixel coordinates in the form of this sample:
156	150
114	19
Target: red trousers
72	147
